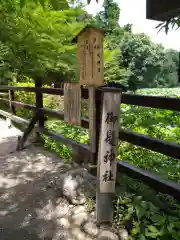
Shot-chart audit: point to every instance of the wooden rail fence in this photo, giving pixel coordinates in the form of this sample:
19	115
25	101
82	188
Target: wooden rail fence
168	148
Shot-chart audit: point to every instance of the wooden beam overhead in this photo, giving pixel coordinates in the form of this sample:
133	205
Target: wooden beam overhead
161	10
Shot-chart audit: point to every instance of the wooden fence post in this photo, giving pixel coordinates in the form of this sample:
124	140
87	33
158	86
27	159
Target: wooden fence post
107	165
12	108
92	118
98	103
39	104
95	100
11	98
72	103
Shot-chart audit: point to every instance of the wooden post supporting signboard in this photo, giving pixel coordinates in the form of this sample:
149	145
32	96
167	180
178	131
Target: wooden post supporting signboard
91	61
72	103
107	155
92	119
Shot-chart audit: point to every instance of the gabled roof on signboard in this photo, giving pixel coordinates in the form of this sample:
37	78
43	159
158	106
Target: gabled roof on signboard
88	27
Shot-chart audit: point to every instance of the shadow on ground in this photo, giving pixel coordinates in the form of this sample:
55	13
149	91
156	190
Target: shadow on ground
29	208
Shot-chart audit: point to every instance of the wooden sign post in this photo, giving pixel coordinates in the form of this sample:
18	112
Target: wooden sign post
72	103
92	119
107	164
90	54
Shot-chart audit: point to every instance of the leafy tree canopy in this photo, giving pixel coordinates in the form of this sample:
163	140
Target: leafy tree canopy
36	41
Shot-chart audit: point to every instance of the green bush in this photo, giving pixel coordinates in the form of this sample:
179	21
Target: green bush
67	130
49	101
143	220
24	97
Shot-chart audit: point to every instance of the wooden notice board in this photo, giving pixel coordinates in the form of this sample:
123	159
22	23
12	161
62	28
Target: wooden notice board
72	103
90	57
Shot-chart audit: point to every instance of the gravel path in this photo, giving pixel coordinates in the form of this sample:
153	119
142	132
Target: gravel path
30	209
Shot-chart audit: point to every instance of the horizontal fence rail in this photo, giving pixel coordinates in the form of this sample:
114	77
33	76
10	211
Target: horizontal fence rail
14	118
152	180
3	94
132	99
63	139
146	101
19	104
54	91
164	147
161	146
151	101
60	116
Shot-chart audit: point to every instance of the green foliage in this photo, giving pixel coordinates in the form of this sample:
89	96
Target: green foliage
52	4
67	130
39	40
148	63
25	97
161	124
168	77
90	203
135	60
164	92
113	70
30	98
4	66
108	19
143	220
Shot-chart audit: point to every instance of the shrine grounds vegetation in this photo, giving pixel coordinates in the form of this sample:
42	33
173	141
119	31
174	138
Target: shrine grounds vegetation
145	214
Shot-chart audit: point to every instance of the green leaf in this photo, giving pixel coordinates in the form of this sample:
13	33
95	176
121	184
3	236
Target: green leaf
22	3
158	219
140	211
130	212
170	226
42	2
35	1
59	4
142	237
136	229
153	229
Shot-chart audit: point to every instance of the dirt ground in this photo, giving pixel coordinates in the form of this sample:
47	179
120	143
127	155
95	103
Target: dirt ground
29	208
